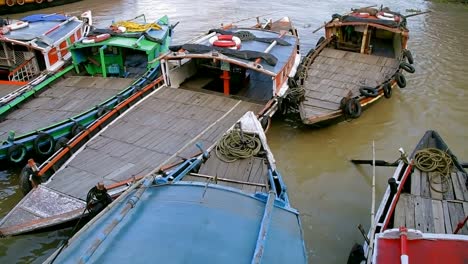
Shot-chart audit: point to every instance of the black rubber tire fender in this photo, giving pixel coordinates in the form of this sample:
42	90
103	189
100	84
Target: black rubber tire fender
407	67
353	108
41	139
321	39
60	143
408	55
76	129
387	89
400	79
102	110
25	183
17	153
369	91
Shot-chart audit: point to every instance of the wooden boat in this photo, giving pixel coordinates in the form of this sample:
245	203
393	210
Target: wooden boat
103	73
251	64
126	144
20	6
242	205
423	214
360	60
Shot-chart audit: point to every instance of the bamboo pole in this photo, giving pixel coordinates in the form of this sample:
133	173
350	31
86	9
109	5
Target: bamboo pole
372	227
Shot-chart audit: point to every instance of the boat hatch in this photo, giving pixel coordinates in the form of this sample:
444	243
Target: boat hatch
367	39
223	77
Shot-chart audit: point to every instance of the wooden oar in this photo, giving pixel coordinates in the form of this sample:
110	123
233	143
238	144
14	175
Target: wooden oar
272	45
383	163
417	14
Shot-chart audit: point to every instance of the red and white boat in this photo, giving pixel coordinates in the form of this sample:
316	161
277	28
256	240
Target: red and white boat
423	215
35	46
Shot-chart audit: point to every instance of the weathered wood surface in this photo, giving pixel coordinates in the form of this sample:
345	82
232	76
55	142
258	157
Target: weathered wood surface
430	215
251	170
165	124
6	89
63	100
335	74
431	211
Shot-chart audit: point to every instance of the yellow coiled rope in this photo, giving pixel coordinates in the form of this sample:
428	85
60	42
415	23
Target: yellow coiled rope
136	27
237	145
439	163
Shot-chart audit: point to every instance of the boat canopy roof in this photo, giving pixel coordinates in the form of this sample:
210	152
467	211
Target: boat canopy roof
253	44
41	34
144	41
189	222
383	19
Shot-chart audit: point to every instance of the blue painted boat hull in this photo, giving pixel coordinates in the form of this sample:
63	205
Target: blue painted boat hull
189	222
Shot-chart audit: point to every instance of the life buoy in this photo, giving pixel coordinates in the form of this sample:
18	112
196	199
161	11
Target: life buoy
44	144
39	1
226	41
20	2
368	91
10	2
17	153
18	25
400	79
362	15
96	39
407	67
387	90
387	16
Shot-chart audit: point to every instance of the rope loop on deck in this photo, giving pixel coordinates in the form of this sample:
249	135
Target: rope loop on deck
439	163
237	145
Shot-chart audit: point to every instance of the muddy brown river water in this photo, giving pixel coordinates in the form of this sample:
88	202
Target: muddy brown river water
333	195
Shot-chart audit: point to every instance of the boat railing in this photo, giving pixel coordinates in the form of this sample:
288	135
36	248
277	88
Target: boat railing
25	71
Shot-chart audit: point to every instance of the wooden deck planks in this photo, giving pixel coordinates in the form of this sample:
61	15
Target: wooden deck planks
63	100
146	137
335	74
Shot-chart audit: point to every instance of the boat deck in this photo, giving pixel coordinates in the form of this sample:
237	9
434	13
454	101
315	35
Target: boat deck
427	209
65	99
162	129
7	88
335	74
249	175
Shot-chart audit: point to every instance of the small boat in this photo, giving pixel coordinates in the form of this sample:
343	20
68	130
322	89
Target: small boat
216	207
20	6
360	59
423	214
108	66
252	64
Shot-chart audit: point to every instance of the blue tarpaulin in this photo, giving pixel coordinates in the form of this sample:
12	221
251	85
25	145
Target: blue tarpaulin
44	17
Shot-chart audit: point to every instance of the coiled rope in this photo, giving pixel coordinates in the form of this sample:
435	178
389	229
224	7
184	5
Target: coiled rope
136	27
439	163
237	145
